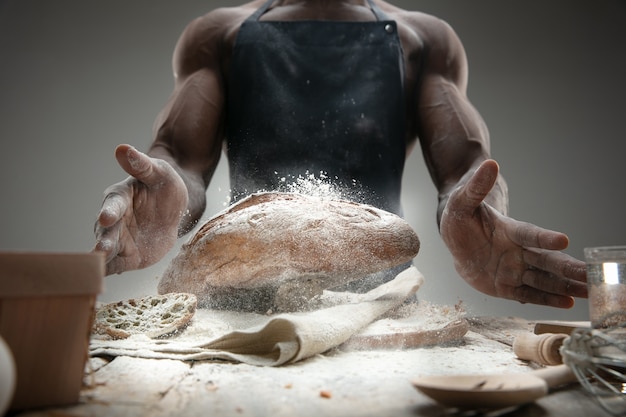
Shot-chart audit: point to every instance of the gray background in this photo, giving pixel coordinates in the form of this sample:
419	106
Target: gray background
78	77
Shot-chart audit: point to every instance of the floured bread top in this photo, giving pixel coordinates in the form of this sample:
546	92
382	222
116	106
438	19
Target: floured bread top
154	316
270	238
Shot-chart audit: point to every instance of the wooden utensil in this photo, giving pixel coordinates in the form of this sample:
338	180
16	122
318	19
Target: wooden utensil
493	391
543	349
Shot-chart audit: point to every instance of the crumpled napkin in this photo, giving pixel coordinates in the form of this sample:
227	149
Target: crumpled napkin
270	340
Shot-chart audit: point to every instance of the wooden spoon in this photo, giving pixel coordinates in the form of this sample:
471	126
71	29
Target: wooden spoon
493	391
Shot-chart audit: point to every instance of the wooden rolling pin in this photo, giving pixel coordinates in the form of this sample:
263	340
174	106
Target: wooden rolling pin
542	348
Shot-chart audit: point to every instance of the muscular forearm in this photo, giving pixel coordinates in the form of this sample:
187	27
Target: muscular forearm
187	135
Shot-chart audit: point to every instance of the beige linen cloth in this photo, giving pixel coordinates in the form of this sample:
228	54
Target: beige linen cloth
264	340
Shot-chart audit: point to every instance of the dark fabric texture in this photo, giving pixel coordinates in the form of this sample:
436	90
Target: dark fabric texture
321	98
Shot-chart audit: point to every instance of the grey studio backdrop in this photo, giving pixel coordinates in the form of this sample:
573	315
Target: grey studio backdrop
77	77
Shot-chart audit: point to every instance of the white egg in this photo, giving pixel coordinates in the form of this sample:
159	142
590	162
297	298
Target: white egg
7	376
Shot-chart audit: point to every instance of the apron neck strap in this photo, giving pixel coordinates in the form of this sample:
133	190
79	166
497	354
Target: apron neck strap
261	10
377	12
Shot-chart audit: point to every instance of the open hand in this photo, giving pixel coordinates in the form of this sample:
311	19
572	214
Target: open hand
506	258
138	222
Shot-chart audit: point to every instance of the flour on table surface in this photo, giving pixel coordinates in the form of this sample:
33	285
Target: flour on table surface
422	315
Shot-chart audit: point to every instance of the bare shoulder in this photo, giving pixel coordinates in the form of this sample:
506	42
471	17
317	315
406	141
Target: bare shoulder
205	39
222	19
432	31
429	42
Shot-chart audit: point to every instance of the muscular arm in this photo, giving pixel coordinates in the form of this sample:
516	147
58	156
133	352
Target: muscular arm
164	194
453	135
188	129
492	252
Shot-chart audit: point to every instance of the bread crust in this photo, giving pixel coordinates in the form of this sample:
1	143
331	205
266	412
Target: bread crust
271	238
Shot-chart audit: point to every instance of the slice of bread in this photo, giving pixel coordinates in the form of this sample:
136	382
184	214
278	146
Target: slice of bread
154	316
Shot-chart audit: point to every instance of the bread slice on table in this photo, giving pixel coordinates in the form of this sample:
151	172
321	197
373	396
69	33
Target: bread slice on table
154	316
269	239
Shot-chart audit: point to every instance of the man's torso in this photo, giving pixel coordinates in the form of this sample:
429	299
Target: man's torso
410	30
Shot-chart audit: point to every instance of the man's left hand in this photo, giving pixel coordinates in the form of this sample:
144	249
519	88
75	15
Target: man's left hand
506	258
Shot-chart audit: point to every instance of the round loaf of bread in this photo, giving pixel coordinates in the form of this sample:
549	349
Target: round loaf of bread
268	239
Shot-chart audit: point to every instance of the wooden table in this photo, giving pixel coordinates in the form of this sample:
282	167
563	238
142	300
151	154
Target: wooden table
338	383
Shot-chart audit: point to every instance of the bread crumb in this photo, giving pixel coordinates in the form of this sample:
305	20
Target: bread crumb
325	394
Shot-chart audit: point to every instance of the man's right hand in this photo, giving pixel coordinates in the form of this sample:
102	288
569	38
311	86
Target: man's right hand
140	216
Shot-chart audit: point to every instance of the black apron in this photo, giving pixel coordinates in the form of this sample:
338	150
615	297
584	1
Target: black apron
322	99
317	98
